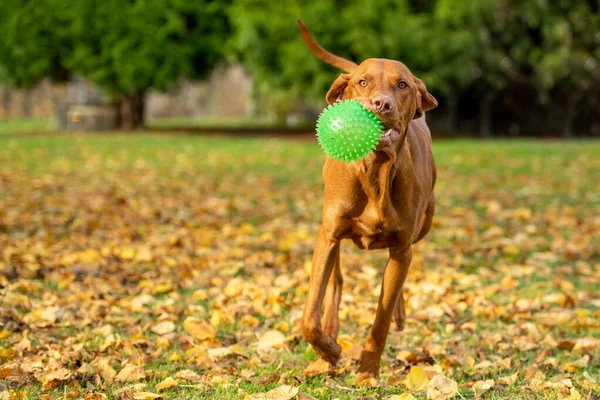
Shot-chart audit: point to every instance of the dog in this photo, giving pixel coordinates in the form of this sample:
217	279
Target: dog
385	200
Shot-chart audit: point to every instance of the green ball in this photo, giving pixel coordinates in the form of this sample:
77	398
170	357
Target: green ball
347	131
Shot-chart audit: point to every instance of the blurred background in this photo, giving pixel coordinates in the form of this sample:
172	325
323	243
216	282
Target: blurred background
497	67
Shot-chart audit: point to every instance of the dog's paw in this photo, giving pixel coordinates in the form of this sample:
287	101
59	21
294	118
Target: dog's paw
367	379
328	349
368	369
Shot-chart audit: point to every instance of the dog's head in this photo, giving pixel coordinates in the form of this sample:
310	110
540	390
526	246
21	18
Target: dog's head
386	87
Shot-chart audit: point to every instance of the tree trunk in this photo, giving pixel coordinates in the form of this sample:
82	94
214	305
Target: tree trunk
570	111
131	111
452	117
6	100
26	103
485	115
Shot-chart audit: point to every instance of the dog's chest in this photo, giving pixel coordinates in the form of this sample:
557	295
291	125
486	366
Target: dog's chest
378	226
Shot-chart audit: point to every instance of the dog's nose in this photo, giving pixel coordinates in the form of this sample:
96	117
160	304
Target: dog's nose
382	104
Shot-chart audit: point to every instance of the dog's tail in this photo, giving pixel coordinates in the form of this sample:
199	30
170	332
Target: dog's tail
322	54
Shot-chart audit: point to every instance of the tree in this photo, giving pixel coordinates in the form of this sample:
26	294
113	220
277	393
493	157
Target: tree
129	47
34	44
569	60
266	39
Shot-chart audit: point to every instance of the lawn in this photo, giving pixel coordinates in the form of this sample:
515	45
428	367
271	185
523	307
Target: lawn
178	265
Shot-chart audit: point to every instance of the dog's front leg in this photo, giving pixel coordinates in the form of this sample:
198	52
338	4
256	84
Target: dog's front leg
324	259
391	288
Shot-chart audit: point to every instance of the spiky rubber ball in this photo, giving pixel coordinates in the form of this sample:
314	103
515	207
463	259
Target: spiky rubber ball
347	131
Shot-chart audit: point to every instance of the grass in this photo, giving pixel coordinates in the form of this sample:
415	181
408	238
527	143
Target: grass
13	126
210	122
230	224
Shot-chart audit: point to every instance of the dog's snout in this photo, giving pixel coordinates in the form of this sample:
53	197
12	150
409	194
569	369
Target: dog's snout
382	103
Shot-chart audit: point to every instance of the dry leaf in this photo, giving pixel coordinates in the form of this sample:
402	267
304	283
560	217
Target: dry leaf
131	373
188	375
146	396
199	329
403	396
166	383
284	392
163	328
316	367
441	388
54	378
416	379
271	339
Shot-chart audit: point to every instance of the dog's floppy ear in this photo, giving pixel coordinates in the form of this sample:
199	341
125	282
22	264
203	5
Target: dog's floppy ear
425	101
336	91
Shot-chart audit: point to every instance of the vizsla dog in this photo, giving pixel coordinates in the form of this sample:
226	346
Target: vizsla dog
383	201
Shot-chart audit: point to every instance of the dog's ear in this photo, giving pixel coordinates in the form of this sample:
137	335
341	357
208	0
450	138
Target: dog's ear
425	101
336	91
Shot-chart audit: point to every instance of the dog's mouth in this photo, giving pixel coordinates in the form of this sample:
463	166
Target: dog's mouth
388	137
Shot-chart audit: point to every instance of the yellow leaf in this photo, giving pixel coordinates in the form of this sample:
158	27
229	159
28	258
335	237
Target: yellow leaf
283	326
441	388
271	339
201	330
7	354
163	328
403	396
131	373
188	375
316	367
285	392
166	383
416	379
54	378
574	395
162	288
146	396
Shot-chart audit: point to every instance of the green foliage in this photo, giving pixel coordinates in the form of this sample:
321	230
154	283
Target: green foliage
35	42
126	47
453	46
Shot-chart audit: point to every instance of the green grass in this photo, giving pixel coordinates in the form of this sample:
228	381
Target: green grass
216	209
210	122
14	126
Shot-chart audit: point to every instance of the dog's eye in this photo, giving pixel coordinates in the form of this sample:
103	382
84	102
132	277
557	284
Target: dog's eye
402	85
362	83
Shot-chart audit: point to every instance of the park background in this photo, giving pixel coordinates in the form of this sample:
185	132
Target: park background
498	68
160	193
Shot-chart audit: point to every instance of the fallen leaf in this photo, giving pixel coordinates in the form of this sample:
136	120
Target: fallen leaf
441	388
52	379
166	383
316	367
284	392
131	373
416	379
403	396
146	396
163	328
199	329
271	339
188	375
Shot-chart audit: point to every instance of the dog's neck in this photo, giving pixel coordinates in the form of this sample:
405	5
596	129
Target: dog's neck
376	172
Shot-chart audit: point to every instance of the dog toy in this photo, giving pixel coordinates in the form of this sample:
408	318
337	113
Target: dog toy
347	131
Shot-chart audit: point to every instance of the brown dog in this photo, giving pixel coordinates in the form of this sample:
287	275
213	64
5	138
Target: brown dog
383	201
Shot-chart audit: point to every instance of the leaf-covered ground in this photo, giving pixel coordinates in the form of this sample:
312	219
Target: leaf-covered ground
142	266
